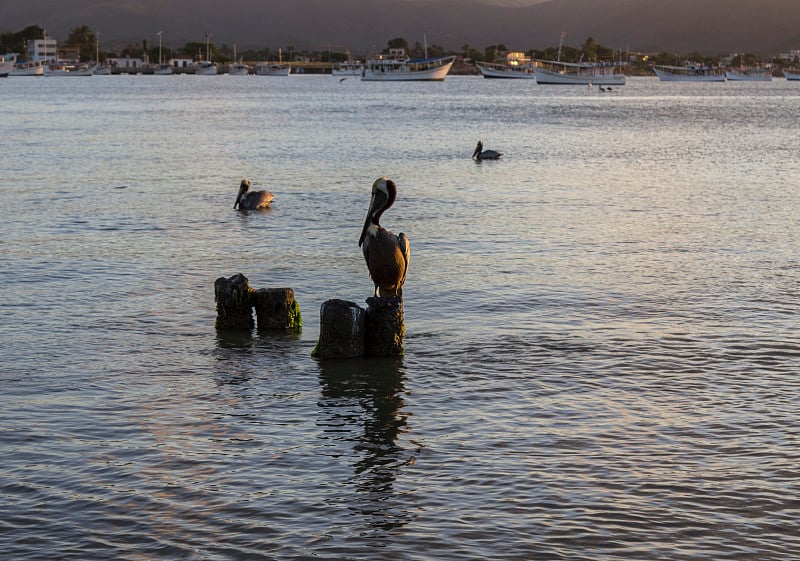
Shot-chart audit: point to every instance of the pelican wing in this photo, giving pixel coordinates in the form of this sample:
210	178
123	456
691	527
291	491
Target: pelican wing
405	249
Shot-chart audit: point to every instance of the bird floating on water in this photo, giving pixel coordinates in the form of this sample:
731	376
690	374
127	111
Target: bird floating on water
481	154
386	254
252	200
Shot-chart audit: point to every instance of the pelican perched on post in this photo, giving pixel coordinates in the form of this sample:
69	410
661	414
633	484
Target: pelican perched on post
252	200
386	254
481	154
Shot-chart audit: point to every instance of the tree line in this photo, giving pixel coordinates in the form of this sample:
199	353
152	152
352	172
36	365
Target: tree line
83	41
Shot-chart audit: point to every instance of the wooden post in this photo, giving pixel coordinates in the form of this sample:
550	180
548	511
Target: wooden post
385	327
341	330
234	309
276	308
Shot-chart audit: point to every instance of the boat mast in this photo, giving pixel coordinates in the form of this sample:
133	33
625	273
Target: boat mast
159	46
425	40
560	43
208	47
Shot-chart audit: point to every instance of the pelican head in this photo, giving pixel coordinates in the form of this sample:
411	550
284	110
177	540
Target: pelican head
481	154
386	254
252	200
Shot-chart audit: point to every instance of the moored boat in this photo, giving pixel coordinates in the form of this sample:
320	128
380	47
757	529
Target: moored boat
791	73
273	69
749	74
27	69
206	67
70	70
579	73
689	73
496	70
348	68
398	67
7	63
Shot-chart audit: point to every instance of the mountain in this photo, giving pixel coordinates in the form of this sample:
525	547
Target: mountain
709	26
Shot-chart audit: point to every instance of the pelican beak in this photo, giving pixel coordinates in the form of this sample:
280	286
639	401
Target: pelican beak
478	150
368	221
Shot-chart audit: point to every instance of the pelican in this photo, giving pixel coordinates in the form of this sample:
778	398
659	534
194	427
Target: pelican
481	154
252	200
386	254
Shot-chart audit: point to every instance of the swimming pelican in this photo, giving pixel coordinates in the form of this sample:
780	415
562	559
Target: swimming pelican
252	200
481	154
386	253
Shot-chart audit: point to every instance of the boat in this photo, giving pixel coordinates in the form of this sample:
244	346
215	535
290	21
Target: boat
163	68
7	63
30	68
579	73
791	73
70	70
238	68
689	73
206	67
348	68
102	70
496	70
274	68
749	74
397	66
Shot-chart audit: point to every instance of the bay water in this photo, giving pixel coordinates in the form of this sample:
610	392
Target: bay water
603	327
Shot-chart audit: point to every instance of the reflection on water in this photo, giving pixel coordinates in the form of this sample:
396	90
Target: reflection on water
361	403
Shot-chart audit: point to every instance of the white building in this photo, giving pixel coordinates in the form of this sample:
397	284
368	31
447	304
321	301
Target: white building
42	50
125	62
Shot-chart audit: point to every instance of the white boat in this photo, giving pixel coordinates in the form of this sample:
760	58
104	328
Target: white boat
238	68
70	70
206	67
747	74
689	73
163	68
27	69
349	68
791	73
495	70
579	73
398	67
274	68
102	70
7	63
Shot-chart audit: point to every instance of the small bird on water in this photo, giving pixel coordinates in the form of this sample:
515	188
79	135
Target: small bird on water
252	200
481	154
386	254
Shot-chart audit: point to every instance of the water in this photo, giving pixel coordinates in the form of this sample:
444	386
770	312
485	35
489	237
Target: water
602	328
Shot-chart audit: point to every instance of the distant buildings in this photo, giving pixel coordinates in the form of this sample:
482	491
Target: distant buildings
43	50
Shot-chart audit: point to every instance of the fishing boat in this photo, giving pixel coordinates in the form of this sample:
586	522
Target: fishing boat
238	68
7	63
496	70
30	68
689	73
791	73
348	68
163	68
206	67
749	74
272	68
397	66
70	70
579	73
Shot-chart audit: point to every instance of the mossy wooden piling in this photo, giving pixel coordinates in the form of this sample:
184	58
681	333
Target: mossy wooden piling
341	330
276	308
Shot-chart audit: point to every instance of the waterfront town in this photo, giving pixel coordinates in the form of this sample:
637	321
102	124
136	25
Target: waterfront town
32	47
